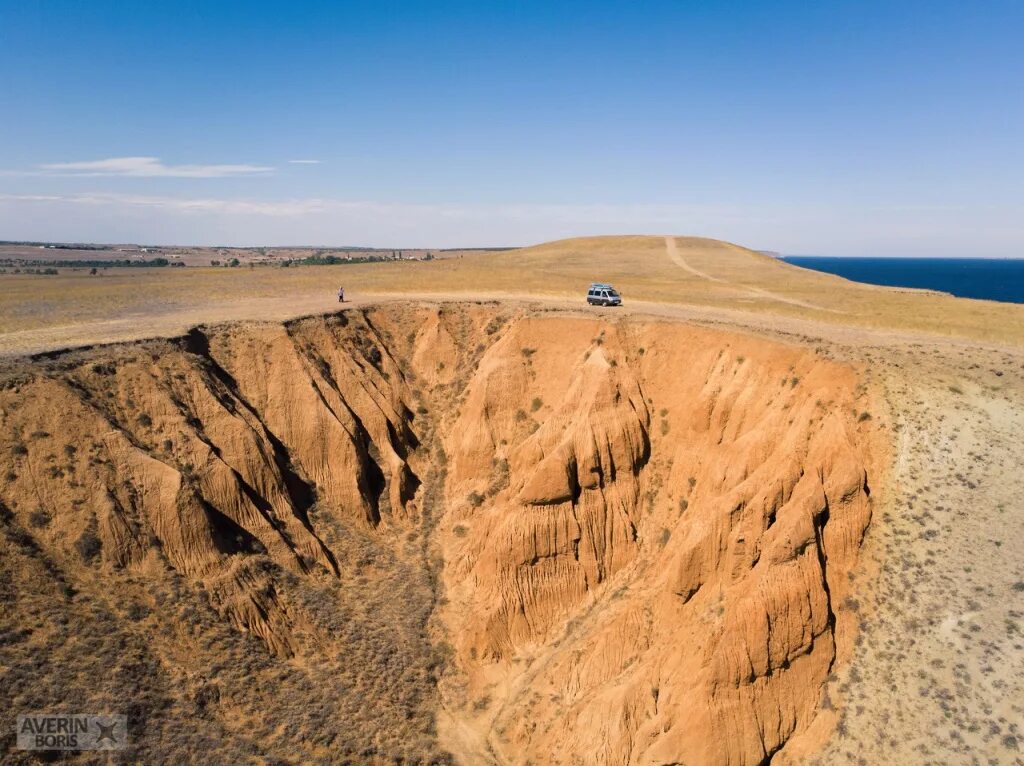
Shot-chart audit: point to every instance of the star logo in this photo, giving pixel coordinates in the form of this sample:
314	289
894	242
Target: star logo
106	733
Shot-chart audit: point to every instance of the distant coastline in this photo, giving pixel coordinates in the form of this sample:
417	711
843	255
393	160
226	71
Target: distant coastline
994	279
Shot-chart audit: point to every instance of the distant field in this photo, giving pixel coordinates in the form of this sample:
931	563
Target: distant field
679	271
35	254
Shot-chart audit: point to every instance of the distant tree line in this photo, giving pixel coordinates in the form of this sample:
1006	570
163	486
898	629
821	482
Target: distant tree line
319	259
86	263
334	260
44	272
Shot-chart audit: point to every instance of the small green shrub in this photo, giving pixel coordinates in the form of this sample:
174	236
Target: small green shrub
39	518
88	545
137	612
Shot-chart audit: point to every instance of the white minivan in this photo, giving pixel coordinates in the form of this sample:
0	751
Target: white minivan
603	295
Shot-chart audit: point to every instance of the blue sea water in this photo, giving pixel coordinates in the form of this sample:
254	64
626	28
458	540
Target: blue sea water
989	278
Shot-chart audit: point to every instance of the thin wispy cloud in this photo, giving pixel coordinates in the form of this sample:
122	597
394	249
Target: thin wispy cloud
303	162
149	167
305	206
197	219
115	216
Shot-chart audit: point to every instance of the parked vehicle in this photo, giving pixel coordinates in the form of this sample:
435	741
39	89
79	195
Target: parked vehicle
601	294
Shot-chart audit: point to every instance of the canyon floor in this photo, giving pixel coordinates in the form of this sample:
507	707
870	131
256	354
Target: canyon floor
757	514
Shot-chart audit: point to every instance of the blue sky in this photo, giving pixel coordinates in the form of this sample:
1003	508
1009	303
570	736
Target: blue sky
846	128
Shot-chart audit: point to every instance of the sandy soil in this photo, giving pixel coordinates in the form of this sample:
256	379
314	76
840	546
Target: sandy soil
938	674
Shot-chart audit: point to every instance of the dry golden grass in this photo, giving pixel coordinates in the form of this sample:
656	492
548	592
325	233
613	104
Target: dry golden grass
705	273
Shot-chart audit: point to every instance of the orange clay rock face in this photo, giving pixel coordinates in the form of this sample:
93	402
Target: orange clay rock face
570	539
652	528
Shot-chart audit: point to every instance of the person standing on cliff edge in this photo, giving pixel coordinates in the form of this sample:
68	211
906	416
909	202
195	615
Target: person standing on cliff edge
341	295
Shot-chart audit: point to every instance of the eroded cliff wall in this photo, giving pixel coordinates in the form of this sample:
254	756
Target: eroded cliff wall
580	540
657	575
